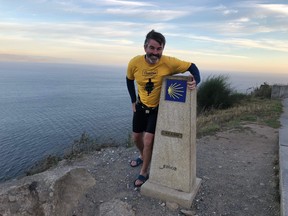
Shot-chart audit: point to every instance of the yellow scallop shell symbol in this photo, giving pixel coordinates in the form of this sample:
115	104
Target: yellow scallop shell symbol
175	90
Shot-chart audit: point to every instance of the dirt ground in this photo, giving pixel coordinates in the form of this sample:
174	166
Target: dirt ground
238	168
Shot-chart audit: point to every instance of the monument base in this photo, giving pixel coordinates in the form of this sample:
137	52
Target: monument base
168	194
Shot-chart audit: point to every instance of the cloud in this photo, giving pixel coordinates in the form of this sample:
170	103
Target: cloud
159	15
39	1
122	3
116	28
92	34
30	58
206	53
88	31
225	11
126	9
243	20
68	7
264	43
277	8
268	44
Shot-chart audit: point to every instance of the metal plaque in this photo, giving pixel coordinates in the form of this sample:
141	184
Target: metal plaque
171	134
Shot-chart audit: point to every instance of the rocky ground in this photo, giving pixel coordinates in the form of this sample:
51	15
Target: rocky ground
238	168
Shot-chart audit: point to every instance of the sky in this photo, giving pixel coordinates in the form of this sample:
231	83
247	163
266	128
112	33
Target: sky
219	35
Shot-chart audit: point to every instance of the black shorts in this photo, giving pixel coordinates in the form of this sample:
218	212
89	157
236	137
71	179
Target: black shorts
144	119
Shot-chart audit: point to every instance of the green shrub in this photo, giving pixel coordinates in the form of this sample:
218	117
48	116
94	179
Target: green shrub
44	164
84	145
264	91
216	93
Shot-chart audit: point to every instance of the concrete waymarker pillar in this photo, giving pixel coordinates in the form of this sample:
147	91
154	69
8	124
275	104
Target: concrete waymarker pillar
173	165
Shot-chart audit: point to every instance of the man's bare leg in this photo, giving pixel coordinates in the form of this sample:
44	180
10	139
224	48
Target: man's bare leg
148	139
138	139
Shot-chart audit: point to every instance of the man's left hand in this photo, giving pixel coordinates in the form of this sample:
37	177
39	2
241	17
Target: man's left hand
191	83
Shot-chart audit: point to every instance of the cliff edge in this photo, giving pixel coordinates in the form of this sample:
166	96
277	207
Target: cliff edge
238	168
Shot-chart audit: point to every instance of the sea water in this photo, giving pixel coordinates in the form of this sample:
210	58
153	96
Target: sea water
45	107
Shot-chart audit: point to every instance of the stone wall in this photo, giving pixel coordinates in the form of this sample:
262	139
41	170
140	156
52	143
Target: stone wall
279	91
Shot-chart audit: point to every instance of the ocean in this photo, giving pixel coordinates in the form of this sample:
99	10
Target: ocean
45	107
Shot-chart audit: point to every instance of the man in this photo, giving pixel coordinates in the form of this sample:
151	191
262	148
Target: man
148	71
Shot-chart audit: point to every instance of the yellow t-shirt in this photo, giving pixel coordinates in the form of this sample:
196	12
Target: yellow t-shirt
149	76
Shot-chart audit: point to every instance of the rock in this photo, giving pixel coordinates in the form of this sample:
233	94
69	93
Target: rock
54	192
172	206
116	207
188	212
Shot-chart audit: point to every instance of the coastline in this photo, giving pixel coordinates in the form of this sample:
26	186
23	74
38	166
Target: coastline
238	168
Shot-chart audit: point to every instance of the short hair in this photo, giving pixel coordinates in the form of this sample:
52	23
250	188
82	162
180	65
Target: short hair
155	36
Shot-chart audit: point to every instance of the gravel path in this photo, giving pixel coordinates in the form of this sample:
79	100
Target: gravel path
238	168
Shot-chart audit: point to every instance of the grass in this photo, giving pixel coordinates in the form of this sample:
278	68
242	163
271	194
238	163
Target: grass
84	145
42	165
220	107
252	110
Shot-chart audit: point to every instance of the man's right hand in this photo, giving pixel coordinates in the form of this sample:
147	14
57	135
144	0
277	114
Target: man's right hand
134	107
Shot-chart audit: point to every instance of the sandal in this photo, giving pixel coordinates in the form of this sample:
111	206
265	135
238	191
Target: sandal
137	161
141	178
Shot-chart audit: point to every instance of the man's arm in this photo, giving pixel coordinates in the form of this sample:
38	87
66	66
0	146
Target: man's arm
195	72
131	89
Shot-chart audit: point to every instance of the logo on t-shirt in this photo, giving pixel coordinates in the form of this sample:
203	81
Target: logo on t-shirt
149	73
149	86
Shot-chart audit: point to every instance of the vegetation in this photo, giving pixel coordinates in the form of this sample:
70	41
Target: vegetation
216	93
219	108
46	163
253	110
84	145
264	91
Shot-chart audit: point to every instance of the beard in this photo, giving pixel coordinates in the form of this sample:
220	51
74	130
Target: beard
153	59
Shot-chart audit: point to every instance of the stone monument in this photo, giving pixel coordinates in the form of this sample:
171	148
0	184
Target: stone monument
173	165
